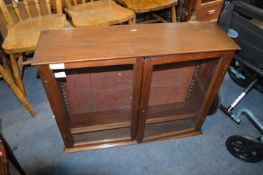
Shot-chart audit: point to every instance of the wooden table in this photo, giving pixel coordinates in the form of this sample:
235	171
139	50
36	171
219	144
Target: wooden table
120	85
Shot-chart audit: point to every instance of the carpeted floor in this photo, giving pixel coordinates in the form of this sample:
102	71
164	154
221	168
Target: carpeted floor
39	148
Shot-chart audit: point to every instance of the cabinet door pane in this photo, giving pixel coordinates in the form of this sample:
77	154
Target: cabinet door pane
99	102
177	92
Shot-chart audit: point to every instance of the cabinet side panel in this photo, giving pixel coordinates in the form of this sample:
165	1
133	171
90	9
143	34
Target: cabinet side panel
56	103
204	72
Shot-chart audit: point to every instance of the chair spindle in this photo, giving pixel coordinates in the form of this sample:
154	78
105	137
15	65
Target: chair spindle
27	8
48	7
68	4
75	2
59	7
17	12
37	5
6	13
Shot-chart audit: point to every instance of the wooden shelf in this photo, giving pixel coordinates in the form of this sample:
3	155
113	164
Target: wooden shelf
170	112
103	136
97	121
87	147
167	128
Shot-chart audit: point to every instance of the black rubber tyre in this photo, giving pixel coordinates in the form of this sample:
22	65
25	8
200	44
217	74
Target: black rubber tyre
215	105
245	148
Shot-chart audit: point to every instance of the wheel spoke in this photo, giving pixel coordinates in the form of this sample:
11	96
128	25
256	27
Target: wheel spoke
237	145
245	148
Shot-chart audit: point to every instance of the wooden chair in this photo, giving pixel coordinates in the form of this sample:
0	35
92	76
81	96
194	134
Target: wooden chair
23	30
5	73
101	12
150	6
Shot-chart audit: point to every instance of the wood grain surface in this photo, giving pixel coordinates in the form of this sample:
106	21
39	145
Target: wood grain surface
140	6
94	43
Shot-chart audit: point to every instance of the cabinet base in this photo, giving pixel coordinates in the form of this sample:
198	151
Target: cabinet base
87	147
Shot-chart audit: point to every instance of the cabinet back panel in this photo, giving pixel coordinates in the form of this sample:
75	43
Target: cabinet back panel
102	89
170	84
103	136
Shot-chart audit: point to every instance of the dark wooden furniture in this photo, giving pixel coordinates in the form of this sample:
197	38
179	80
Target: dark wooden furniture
208	10
122	85
3	160
6	155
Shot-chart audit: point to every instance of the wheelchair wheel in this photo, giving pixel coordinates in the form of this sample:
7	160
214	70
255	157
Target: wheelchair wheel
246	72
240	69
245	148
215	105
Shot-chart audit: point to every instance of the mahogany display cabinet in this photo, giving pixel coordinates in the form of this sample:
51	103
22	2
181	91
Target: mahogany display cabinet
121	85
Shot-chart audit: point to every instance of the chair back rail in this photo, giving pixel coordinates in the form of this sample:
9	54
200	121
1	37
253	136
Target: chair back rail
70	3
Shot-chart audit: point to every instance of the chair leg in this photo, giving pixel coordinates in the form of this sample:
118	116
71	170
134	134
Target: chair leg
16	73
173	14
132	20
20	64
9	80
6	65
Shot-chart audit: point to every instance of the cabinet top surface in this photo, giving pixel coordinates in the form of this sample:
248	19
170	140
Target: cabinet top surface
126	41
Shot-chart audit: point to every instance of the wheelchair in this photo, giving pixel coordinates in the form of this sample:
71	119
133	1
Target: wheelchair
243	21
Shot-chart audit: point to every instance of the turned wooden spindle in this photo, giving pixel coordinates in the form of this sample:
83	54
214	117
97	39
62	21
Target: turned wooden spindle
75	2
37	5
17	12
68	4
27	8
48	6
59	7
6	13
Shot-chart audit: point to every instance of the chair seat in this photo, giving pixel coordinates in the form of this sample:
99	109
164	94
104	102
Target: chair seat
139	6
99	13
23	36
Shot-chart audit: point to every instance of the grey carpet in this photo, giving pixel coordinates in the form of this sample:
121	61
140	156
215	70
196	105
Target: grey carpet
38	146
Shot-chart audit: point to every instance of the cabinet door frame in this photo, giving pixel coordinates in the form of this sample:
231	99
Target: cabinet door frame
224	60
61	116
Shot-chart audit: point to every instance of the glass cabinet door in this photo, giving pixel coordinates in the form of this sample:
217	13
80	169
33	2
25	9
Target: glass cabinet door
174	95
100	102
